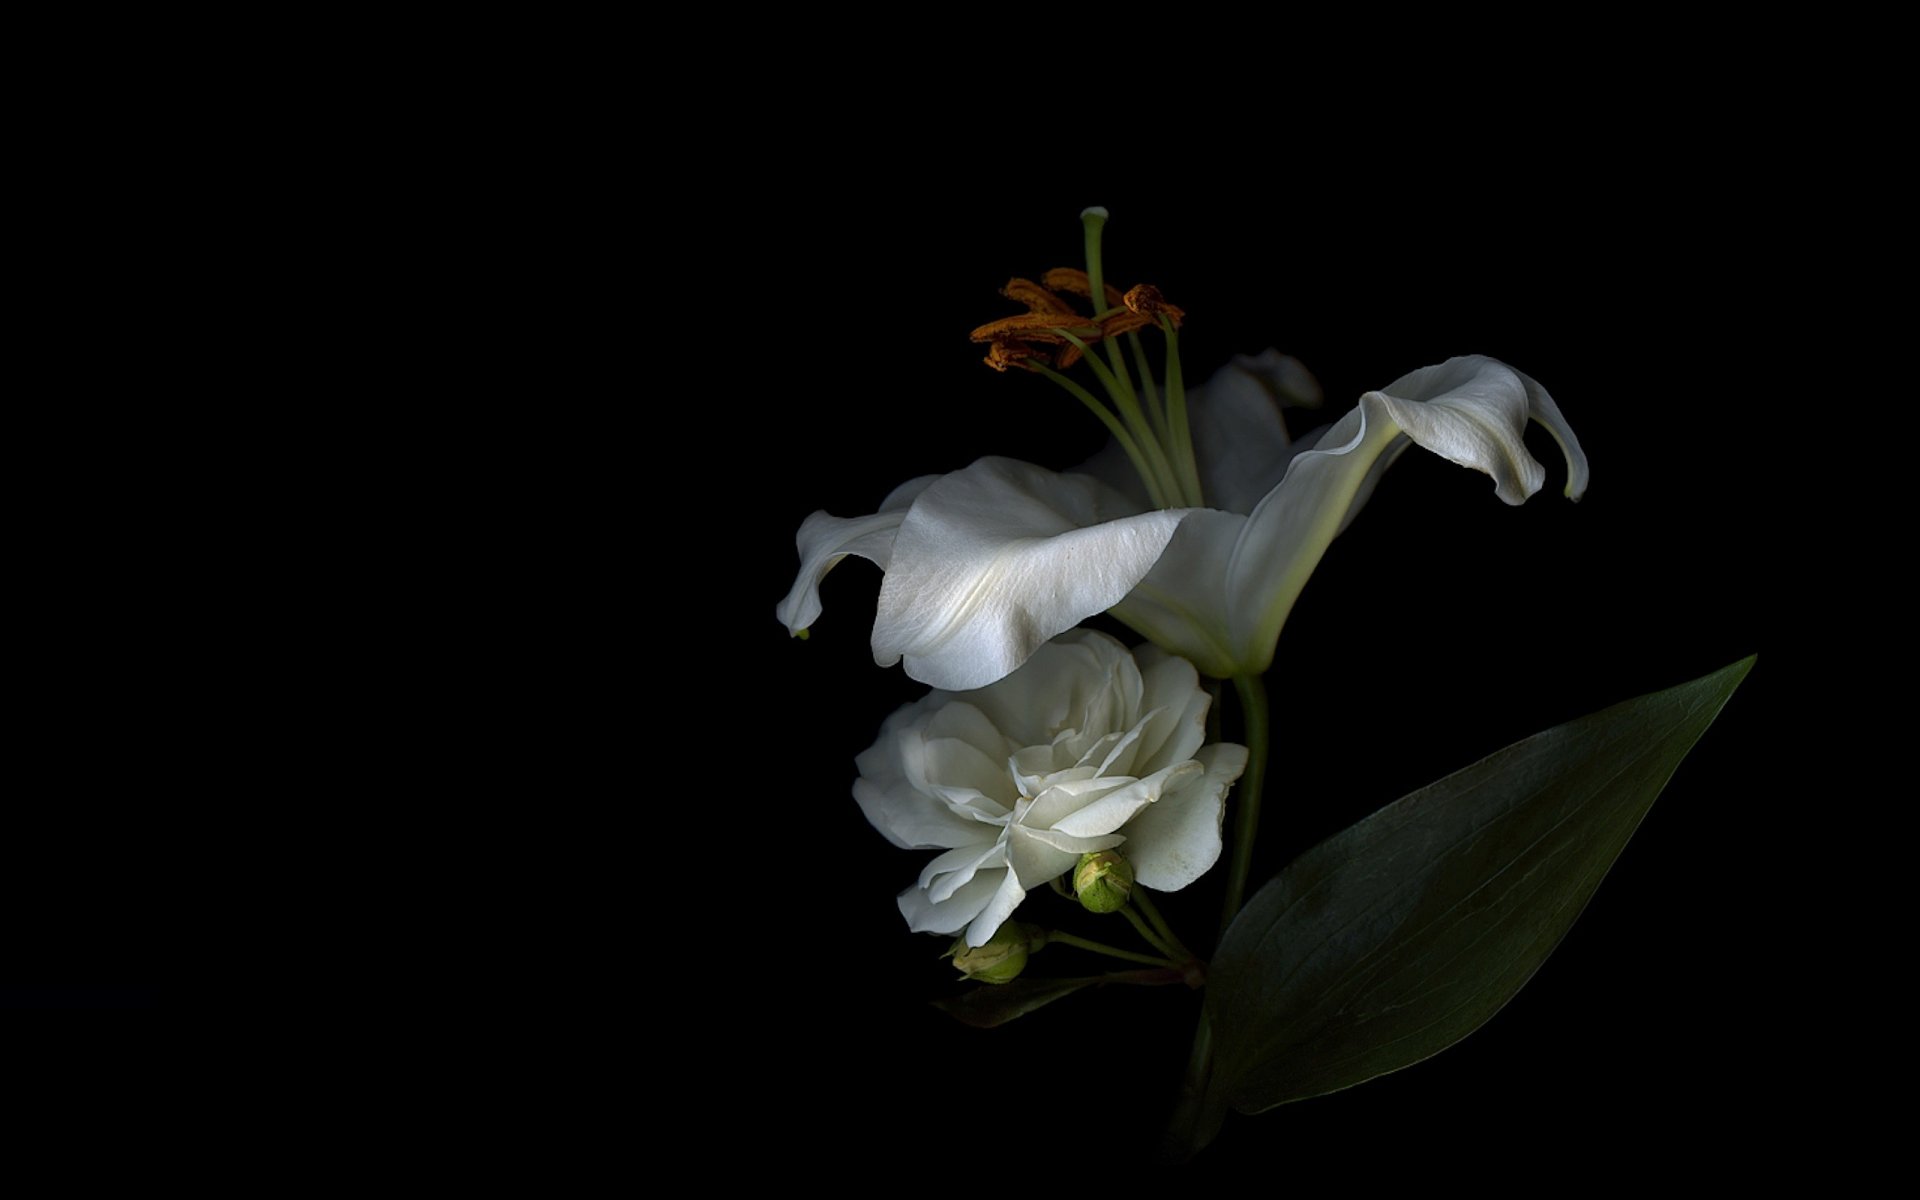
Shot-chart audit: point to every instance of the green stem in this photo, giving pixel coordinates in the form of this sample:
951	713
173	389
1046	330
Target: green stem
1144	902
1153	939
1114	427
1068	939
1253	704
1184	1134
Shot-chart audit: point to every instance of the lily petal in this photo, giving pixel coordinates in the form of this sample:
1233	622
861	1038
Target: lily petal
824	540
1182	603
1239	438
1472	411
993	560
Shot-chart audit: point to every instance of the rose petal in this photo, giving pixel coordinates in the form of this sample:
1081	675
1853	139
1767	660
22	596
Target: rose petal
1177	840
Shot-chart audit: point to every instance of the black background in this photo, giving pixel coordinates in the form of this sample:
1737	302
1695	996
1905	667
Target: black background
1443	625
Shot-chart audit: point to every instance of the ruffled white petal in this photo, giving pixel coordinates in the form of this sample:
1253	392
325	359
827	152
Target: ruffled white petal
825	540
1052	691
1042	854
1117	807
993	560
1176	840
954	913
1128	724
999	907
913	820
1175	727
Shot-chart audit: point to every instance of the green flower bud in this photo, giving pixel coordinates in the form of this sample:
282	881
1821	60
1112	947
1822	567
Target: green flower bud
1103	881
1002	958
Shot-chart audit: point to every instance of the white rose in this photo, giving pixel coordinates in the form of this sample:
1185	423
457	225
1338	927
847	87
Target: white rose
1087	746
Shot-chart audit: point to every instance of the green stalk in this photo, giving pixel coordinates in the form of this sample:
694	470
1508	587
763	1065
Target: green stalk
1253	703
1144	902
1068	939
1183	1131
1153	939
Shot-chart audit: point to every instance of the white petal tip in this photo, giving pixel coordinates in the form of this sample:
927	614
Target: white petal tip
1095	211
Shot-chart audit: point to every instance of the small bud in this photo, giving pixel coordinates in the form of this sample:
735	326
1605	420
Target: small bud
1103	881
1002	958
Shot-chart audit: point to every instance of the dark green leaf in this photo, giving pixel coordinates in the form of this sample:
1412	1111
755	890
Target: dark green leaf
1399	936
993	1004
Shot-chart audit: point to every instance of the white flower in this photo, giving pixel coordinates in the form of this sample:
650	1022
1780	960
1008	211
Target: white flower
987	563
1086	747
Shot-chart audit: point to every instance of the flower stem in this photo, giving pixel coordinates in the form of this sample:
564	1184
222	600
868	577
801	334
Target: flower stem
1184	1135
1068	939
1253	705
1145	904
1153	939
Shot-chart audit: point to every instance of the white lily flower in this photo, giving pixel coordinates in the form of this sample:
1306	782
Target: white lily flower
985	564
1086	747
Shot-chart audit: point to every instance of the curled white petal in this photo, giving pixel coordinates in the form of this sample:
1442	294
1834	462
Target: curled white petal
824	540
993	560
1472	411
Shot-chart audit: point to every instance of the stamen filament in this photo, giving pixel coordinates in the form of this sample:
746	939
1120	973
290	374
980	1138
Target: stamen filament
1155	411
1119	431
1189	471
1123	399
1094	220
